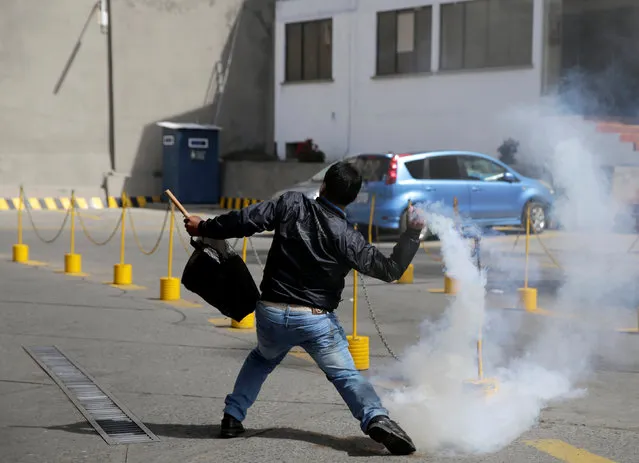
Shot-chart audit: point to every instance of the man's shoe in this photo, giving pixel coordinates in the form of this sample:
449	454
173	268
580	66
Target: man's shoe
385	431
230	427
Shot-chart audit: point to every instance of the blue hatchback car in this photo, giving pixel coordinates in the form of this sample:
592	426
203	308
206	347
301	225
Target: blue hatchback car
489	193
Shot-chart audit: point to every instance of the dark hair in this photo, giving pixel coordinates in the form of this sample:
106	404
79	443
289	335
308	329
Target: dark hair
343	182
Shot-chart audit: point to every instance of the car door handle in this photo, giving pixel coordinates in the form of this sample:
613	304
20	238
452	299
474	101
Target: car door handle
430	188
475	188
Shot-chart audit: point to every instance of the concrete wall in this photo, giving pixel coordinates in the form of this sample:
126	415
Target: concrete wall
261	180
358	112
170	63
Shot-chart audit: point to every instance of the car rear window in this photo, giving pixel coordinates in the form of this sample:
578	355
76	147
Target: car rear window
372	168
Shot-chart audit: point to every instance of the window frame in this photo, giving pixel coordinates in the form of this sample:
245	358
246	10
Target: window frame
324	69
510	63
415	45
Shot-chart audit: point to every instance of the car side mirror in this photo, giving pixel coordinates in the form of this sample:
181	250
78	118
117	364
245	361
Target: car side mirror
509	177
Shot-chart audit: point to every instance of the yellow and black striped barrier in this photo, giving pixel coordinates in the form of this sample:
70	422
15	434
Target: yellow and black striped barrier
63	203
237	203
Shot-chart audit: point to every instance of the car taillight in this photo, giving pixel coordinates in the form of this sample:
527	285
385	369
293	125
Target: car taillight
391	177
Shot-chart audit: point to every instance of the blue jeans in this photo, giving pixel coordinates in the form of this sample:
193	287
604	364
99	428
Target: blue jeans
279	330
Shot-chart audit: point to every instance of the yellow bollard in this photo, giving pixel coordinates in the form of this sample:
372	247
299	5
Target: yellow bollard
170	286
72	261
450	285
527	296
528	299
20	250
122	273
358	346
247	322
370	220
408	276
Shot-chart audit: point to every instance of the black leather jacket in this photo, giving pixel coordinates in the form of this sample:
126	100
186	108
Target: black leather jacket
313	250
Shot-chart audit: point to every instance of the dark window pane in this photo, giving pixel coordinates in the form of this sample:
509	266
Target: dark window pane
452	34
416	169
475	34
423	39
311	50
498	33
386	42
444	168
521	31
326	50
293	52
486	33
405	63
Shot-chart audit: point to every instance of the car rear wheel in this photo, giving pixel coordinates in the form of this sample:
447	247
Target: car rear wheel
538	220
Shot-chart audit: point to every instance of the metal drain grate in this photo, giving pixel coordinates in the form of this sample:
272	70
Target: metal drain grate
111	420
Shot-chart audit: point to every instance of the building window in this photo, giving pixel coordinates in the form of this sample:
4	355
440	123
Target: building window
404	41
309	50
486	33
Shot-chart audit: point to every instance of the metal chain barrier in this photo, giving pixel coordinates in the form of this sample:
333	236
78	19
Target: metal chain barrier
374	319
33	225
86	231
554	261
135	234
515	243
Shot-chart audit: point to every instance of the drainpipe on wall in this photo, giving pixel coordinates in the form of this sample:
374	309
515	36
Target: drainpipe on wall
105	23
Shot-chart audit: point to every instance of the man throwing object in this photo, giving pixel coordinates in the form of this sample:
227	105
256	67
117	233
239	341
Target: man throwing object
313	251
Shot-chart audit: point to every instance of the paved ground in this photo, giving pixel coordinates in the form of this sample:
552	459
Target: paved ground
172	364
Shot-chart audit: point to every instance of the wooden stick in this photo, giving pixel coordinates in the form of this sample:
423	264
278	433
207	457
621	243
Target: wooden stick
177	204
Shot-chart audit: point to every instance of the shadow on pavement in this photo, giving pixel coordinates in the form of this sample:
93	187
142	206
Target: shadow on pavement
355	446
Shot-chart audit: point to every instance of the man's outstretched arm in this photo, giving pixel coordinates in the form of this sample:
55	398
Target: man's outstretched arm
236	224
367	259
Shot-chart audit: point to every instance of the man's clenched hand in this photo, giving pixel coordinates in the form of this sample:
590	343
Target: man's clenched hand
192	224
414	220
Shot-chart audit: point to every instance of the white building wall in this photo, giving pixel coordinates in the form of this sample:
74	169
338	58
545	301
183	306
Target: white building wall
359	112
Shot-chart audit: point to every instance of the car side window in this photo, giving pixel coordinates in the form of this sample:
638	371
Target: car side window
418	169
482	169
444	168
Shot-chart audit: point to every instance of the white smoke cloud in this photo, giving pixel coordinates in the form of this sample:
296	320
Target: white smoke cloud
434	405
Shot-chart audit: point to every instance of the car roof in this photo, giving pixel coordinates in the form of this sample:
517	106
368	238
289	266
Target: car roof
404	154
447	152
